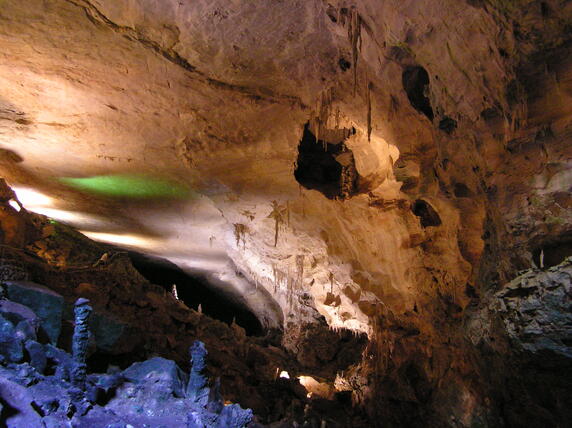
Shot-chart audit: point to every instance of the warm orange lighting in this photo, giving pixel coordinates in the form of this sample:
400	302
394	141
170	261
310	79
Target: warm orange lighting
315	388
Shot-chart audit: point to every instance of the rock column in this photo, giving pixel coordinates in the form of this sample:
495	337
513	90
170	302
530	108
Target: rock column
82	311
197	389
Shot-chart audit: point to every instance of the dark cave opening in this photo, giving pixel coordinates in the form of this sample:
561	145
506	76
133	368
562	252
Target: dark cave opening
426	213
194	290
325	166
416	84
552	254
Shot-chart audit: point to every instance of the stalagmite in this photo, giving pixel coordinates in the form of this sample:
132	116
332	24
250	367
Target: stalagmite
82	311
197	389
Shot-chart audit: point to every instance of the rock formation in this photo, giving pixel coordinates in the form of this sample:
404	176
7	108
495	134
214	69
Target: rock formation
384	186
148	393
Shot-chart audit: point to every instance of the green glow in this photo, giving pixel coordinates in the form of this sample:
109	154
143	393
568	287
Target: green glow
128	186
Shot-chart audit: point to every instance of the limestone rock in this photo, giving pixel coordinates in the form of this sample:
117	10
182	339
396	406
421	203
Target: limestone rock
18	324
46	304
197	389
11	349
537	312
456	117
160	370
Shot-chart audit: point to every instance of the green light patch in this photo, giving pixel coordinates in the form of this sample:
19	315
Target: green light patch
128	186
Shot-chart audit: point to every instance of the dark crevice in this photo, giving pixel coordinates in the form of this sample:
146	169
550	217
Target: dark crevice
426	213
345	65
448	125
326	167
416	84
332	13
194	291
103	397
418	382
462	191
544	9
100	362
51	366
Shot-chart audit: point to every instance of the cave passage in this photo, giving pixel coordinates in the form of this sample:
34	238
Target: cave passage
194	291
326	167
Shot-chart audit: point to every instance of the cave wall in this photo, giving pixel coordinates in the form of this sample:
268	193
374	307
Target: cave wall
461	112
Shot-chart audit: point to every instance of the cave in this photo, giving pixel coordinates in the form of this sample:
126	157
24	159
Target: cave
326	167
364	207
416	84
194	291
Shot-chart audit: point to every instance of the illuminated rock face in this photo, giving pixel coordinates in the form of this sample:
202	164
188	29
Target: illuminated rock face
455	119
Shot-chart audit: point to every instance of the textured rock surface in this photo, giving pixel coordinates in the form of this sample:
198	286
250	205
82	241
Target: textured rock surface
536	308
45	303
523	335
156	323
18	325
446	126
162	370
150	393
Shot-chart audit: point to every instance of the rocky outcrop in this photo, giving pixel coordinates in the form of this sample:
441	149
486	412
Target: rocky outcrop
522	333
536	310
148	393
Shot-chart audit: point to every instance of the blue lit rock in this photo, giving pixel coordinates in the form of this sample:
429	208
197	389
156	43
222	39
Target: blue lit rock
46	304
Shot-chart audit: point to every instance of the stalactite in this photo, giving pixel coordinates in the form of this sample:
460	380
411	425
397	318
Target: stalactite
280	278
275	274
277	214
300	271
368	98
354	35
240	234
323	113
289	283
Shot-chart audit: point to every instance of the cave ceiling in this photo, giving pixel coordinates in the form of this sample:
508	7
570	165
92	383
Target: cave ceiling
203	105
